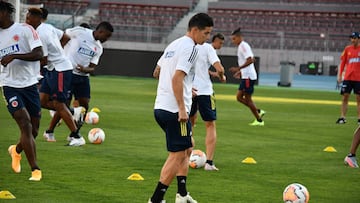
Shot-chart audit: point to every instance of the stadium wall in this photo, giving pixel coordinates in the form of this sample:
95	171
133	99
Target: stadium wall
139	59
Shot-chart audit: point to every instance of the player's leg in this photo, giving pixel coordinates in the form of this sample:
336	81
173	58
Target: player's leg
249	90
350	159
345	91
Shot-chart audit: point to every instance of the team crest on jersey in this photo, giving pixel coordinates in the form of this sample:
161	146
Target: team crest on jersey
16	38
9	50
169	54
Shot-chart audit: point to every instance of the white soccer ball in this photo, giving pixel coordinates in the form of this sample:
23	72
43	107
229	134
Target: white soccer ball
296	193
197	159
92	118
96	136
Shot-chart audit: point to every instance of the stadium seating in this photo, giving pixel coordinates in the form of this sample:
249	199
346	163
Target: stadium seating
68	7
323	28
143	21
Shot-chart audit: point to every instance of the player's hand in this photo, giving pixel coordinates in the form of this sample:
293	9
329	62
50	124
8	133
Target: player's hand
6	60
234	69
183	116
237	75
80	68
194	92
223	79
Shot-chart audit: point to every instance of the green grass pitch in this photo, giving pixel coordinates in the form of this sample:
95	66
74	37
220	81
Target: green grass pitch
299	124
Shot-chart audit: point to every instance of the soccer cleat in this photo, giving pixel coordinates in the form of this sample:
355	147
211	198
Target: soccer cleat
262	113
257	123
351	161
50	137
36	175
341	121
15	163
76	141
79	113
209	167
185	199
162	201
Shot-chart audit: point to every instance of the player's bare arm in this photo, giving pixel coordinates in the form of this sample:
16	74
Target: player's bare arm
83	69
35	55
156	72
178	88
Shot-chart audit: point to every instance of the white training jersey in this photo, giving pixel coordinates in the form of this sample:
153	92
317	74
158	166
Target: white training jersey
181	55
19	39
206	57
244	51
52	48
83	48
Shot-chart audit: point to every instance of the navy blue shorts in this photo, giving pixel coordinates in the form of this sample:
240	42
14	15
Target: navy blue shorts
57	85
206	106
80	86
18	98
178	135
247	86
349	85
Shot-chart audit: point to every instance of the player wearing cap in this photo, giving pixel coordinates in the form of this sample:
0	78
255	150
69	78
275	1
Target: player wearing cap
350	63
20	52
56	85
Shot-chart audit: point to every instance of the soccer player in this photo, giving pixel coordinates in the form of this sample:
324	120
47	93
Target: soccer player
350	159
246	71
173	103
203	93
350	58
20	52
84	49
56	84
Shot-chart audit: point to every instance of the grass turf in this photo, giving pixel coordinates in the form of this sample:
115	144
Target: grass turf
289	148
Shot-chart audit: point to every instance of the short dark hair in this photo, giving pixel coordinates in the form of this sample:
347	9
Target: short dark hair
219	36
45	13
105	25
200	20
35	11
237	32
8	7
85	25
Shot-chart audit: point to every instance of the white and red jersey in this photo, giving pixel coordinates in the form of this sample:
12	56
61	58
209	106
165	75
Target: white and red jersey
180	54
244	51
206	57
83	48
350	58
52	48
19	39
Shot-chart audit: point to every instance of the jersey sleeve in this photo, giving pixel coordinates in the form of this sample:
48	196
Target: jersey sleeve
246	50
96	58
59	33
212	55
187	58
32	37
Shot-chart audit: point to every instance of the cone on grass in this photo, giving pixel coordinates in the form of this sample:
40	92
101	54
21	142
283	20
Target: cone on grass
135	176
4	194
330	149
249	160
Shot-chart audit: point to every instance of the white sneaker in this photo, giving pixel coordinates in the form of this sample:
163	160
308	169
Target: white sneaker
209	167
77	141
79	113
162	201
185	199
50	137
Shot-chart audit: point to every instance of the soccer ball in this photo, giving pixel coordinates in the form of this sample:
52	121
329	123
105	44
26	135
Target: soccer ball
92	118
197	159
296	193
96	136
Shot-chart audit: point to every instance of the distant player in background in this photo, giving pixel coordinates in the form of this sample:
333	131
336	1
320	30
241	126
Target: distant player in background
203	93
56	84
246	71
84	48
20	52
350	63
173	103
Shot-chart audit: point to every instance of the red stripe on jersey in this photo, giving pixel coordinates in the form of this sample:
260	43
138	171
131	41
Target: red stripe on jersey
34	33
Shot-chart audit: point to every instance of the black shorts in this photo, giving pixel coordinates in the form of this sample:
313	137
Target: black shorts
247	86
206	106
348	85
178	135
